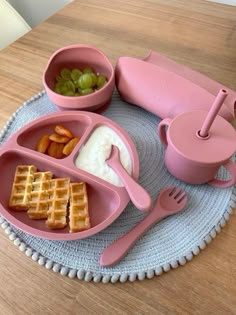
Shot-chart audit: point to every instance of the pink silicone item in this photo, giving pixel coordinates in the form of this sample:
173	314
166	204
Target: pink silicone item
166	88
198	78
106	201
79	56
170	201
231	167
138	195
218	102
193	157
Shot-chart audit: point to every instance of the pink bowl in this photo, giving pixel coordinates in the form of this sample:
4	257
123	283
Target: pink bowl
106	201
79	56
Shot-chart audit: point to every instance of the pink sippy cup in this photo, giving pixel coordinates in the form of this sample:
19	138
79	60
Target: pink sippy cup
198	143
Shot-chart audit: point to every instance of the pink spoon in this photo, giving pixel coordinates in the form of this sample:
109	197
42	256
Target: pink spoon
140	198
170	201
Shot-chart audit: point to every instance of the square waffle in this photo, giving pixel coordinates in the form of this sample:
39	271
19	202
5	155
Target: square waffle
22	187
38	205
58	201
41	181
79	219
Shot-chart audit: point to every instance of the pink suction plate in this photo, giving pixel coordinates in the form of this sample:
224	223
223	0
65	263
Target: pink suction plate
106	201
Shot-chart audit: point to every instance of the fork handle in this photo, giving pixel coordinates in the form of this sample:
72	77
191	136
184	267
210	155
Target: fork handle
117	250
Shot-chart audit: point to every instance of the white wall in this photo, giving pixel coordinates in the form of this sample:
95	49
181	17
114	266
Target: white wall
36	11
229	2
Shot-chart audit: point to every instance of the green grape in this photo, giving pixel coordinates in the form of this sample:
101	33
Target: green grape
85	81
59	85
86	91
101	81
75	74
66	74
94	78
57	90
87	70
76	84
63	90
69	93
64	87
59	78
70	86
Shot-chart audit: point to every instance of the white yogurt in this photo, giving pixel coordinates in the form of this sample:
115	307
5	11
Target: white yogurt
93	154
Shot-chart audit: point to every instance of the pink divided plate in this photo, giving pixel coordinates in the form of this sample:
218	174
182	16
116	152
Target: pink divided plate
106	201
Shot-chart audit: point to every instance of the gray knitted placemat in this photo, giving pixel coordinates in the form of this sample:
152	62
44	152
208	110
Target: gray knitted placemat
170	243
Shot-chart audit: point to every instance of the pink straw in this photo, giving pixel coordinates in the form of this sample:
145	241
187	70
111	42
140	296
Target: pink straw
215	107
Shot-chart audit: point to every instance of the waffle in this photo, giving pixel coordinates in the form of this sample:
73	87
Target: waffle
57	203
22	187
79	219
38	205
41	181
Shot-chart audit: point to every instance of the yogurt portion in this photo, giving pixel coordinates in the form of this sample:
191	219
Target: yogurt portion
93	154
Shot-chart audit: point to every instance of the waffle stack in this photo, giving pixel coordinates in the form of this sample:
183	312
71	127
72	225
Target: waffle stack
52	199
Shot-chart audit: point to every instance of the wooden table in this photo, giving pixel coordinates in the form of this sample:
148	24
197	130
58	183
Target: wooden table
199	34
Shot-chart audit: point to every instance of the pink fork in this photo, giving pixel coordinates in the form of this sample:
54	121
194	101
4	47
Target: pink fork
170	201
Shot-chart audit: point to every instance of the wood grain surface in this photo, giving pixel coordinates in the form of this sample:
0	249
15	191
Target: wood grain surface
197	33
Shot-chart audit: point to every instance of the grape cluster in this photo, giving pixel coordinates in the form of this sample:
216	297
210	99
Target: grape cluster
76	82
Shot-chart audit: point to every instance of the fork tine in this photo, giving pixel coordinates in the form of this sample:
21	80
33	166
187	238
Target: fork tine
182	197
172	191
177	193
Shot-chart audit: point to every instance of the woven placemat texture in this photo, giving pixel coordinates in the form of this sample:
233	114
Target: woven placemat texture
170	243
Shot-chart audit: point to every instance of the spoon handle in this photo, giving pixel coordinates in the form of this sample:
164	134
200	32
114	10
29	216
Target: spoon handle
114	252
138	195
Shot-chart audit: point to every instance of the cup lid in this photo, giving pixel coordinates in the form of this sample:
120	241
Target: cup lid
218	147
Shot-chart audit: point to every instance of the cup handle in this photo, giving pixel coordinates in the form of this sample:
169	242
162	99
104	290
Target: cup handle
162	130
231	167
